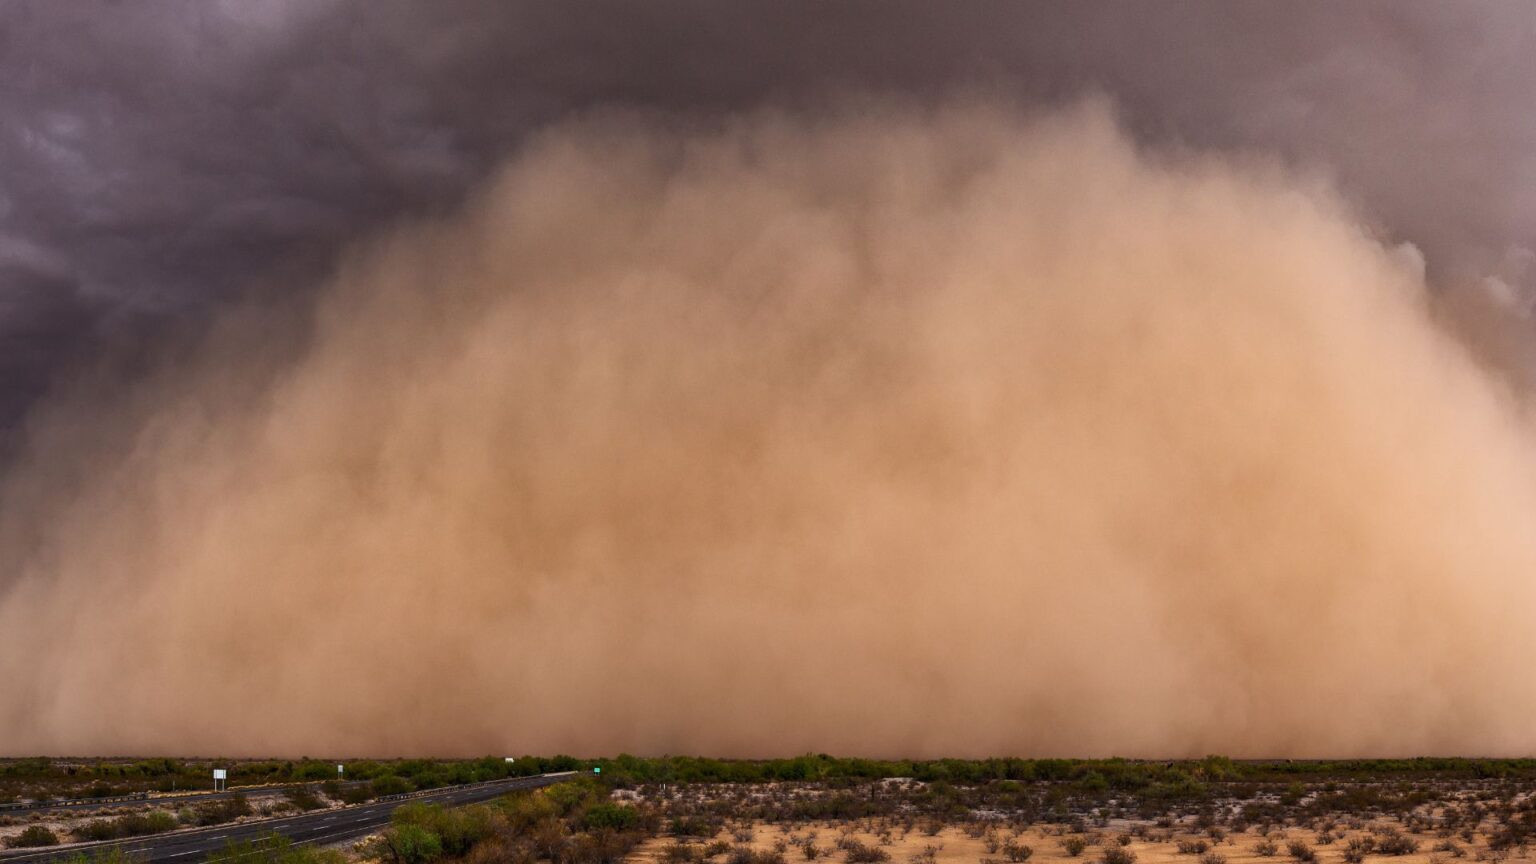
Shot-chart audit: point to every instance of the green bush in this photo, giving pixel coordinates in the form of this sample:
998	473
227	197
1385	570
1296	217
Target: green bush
96	831
412	844
355	794
1093	781
567	797
310	769
457	830
304	798
273	849
219	812
154	822
390	784
34	835
132	825
429	779
1074	846
615	817
525	811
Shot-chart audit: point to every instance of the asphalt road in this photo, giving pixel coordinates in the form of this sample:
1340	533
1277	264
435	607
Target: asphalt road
168	800
322	827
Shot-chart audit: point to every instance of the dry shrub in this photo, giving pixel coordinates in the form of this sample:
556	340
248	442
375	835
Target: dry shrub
1393	843
1301	851
1119	855
1017	852
858	853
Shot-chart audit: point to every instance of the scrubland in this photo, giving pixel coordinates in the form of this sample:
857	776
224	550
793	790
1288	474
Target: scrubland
856	812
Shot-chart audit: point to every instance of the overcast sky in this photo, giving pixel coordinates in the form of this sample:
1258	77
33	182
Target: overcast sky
160	159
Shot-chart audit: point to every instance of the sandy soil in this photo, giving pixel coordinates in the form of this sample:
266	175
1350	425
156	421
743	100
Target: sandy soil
953	846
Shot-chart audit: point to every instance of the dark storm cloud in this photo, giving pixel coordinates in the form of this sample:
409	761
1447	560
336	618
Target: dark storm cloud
41	309
1033	371
167	157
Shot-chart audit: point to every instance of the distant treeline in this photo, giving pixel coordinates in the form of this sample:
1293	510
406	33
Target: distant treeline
1173	778
109	777
1126	774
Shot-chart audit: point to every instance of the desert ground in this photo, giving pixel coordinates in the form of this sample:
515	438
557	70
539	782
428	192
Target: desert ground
985	843
668	811
1473	821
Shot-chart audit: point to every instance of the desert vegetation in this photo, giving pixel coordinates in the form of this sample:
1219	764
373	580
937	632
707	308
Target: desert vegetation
1216	811
41	780
820	809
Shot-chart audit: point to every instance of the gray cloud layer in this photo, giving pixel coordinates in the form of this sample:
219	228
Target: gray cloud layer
159	158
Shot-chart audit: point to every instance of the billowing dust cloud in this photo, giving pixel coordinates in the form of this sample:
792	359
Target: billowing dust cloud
889	431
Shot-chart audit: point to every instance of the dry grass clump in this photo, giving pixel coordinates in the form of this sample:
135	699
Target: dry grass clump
855	852
927	855
1392	842
748	855
1119	855
1017	852
1357	848
1449	847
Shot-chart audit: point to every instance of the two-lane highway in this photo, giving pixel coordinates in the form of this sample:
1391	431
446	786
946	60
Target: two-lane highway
171	800
319	827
